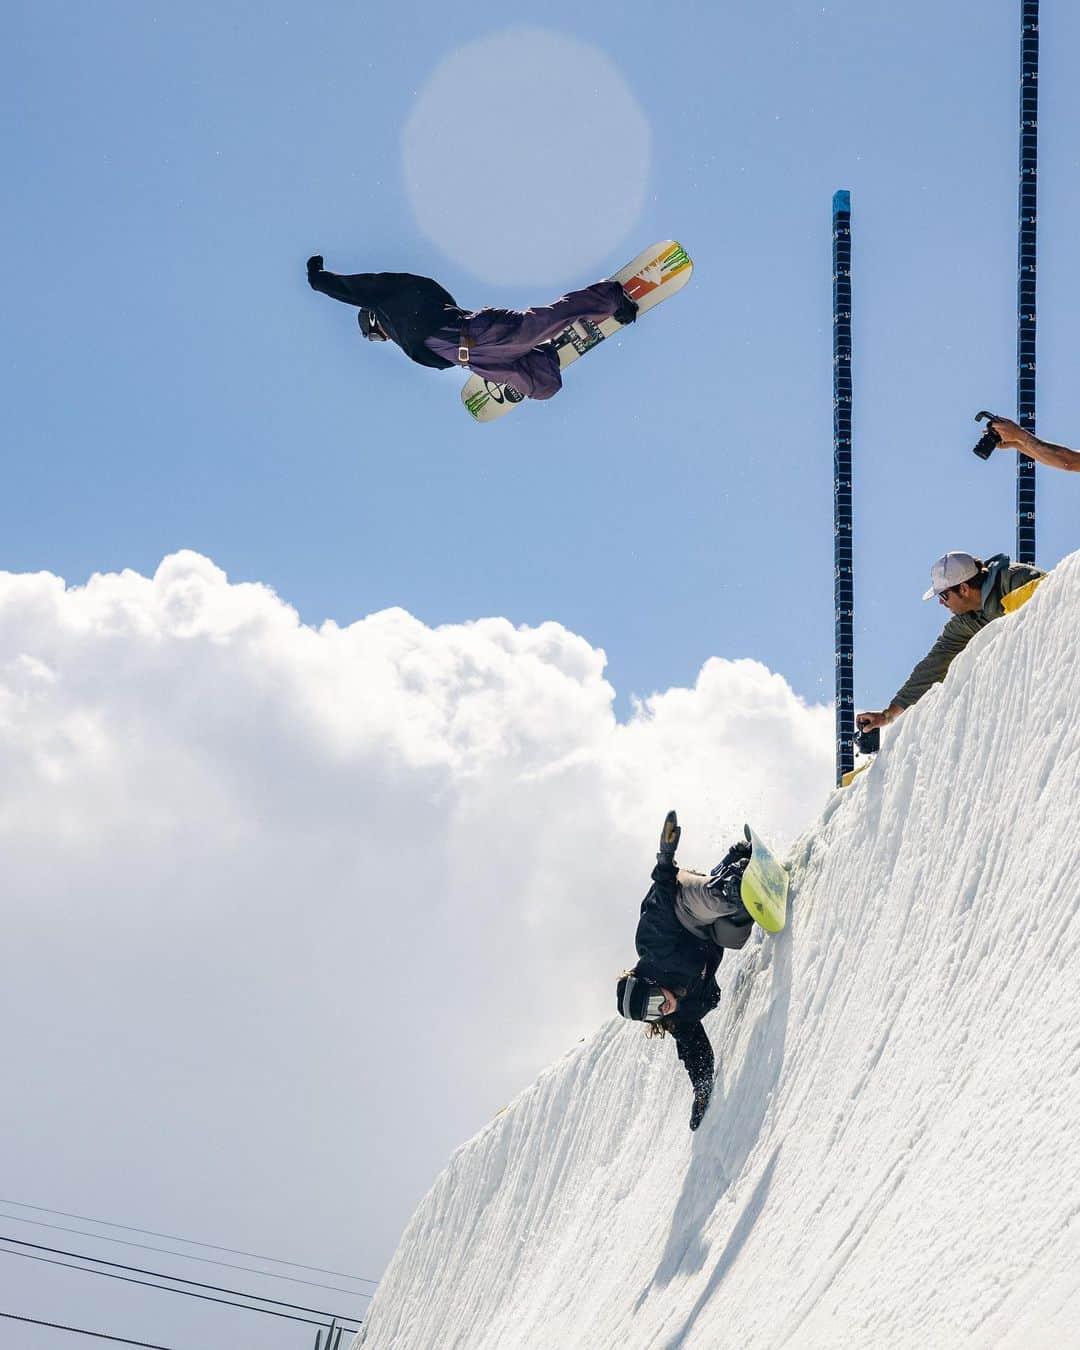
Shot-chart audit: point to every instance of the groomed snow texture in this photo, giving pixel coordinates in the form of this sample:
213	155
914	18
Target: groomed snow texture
892	1157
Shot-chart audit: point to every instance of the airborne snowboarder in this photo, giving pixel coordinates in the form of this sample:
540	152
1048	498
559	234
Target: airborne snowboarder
687	920
505	345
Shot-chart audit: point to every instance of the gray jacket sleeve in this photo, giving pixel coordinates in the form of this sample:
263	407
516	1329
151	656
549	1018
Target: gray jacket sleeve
931	670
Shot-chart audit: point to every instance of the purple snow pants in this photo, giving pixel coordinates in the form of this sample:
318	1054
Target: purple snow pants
514	346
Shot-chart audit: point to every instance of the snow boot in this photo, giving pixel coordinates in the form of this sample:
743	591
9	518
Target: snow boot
627	310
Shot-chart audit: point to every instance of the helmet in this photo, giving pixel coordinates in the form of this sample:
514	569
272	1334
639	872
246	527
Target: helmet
369	325
639	999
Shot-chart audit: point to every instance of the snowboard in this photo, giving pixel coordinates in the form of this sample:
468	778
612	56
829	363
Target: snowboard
653	275
764	886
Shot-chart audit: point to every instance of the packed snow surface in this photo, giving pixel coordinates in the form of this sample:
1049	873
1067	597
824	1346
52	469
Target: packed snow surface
891	1158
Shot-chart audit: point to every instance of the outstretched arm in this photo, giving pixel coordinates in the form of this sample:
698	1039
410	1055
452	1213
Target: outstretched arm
361	289
934	666
1014	437
931	670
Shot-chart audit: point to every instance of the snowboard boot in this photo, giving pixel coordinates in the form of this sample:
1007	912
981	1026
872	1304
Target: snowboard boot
702	1095
725	879
627	310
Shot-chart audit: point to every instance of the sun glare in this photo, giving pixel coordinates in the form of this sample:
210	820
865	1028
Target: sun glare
526	157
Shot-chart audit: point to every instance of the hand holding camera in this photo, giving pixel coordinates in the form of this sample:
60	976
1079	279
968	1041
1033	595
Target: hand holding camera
990	439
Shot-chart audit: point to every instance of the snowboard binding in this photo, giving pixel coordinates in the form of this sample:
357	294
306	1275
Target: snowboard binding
989	440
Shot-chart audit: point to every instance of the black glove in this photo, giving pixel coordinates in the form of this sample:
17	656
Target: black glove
702	1095
669	839
314	265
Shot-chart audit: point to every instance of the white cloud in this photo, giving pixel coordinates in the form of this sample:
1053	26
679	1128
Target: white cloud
253	858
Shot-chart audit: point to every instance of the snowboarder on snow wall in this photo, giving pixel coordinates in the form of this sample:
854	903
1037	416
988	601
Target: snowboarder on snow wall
507	346
687	920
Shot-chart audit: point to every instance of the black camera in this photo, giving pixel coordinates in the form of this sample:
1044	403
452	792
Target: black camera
989	440
869	742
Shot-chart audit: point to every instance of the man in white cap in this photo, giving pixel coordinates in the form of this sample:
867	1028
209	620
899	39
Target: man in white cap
974	592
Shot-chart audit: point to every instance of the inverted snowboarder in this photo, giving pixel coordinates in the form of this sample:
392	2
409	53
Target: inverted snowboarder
687	920
507	346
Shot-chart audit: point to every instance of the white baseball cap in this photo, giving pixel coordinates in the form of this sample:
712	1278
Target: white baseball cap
950	570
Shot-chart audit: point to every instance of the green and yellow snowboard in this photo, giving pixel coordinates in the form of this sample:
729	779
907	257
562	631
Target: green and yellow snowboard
764	886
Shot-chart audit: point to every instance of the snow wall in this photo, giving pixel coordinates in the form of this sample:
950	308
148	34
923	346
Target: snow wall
892	1155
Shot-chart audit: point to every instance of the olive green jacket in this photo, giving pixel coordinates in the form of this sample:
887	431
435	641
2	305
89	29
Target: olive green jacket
1004	576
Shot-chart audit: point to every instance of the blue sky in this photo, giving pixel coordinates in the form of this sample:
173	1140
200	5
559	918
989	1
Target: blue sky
171	381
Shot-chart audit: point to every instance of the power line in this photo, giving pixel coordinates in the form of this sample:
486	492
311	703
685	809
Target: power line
190	1293
187	1256
101	1335
206	1298
172	1237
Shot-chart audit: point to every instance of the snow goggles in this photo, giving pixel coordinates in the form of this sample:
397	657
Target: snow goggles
369	325
640	1000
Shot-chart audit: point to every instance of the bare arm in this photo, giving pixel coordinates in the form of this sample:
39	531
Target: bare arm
1014	437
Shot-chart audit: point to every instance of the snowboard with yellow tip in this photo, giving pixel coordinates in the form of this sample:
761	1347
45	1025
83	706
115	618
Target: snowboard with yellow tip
764	886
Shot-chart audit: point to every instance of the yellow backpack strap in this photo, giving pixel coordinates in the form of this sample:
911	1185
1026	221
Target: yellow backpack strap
1011	603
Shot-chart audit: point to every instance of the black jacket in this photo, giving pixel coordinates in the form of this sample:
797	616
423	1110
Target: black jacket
408	307
667	952
672	956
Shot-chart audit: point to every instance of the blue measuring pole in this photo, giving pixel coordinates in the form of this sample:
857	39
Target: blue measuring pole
1026	274
843	575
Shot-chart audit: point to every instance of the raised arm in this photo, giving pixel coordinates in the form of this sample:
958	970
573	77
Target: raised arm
1014	437
360	289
